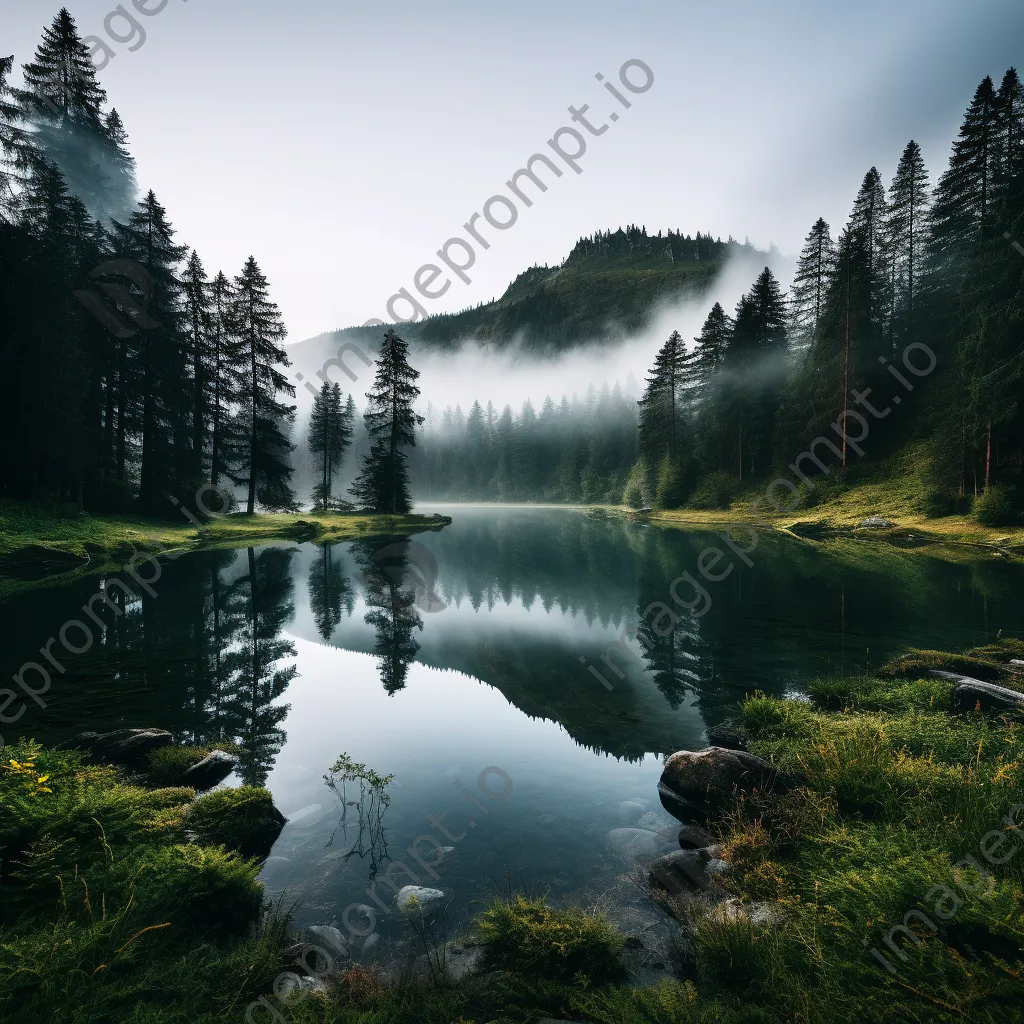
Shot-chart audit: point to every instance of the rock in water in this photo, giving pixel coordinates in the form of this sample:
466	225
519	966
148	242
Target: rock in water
420	903
330	938
636	845
214	768
630	811
80	741
706	782
681	871
693	837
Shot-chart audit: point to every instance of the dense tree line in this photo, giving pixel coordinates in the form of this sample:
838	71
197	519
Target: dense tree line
133	376
631	241
576	450
911	268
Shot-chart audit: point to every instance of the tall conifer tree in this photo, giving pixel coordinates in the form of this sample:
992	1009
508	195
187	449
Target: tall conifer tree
908	210
158	350
262	455
391	424
330	434
810	282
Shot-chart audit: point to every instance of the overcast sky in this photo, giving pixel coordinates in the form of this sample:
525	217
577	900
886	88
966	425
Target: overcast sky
342	144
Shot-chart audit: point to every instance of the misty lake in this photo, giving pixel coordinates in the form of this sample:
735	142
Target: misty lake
474	689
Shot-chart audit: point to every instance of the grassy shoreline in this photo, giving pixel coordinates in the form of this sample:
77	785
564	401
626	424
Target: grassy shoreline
836	512
29	533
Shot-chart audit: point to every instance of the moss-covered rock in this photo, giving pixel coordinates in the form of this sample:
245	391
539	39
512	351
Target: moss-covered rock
243	819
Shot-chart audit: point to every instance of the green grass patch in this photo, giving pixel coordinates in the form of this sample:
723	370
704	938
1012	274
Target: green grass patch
903	800
526	934
107	910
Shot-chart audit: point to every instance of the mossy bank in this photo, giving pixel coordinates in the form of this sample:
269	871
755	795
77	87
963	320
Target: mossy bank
38	539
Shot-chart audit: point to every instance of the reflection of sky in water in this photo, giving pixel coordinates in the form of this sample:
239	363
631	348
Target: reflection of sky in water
443	727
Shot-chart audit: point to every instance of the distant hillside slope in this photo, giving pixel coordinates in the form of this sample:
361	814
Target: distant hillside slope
604	290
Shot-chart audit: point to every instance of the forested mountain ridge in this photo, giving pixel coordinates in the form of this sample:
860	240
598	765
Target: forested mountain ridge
608	287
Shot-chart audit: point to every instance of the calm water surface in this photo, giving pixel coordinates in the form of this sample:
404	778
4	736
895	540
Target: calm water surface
469	649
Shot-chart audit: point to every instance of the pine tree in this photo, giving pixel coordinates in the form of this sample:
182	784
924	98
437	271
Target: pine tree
663	441
661	408
390	422
330	434
754	373
196	323
224	361
964	193
262	457
61	80
62	103
1010	135
868	221
158	352
119	167
53	369
14	151
476	451
811	281
906	236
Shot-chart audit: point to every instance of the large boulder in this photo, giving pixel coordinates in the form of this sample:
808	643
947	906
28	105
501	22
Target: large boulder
875	522
122	746
214	768
705	783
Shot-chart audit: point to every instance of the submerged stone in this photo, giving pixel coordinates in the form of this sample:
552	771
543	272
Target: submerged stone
681	871
634	845
420	903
